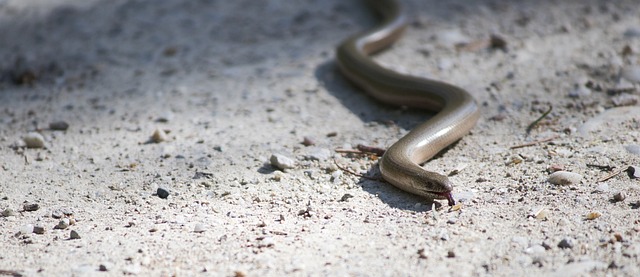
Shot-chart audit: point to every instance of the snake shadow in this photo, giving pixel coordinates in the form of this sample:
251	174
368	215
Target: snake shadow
370	110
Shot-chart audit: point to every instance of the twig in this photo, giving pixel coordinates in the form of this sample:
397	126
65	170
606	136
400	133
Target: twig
611	175
533	124
534	142
10	273
349	151
354	173
370	149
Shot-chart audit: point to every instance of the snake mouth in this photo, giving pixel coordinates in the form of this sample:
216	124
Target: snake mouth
446	195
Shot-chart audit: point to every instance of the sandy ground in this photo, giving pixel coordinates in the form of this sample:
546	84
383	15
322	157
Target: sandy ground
233	82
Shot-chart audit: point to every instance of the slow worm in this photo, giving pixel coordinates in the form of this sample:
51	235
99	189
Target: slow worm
457	111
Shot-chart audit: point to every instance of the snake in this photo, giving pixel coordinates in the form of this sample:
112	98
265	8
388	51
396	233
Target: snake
456	111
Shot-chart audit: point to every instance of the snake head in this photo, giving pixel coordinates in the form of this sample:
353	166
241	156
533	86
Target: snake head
436	186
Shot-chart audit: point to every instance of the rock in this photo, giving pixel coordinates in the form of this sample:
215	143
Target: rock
33	140
619	196
26	229
199	228
566	243
625	99
30	207
8	212
282	162
318	154
564	178
158	136
38	229
74	235
631	73
634	172
59	126
162	193
62	224
308	141
535	250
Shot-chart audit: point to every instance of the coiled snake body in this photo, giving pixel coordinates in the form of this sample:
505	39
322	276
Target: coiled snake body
457	111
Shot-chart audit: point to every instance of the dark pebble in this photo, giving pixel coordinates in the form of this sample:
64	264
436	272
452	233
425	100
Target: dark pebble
74	235
59	126
30	207
634	172
566	243
163	193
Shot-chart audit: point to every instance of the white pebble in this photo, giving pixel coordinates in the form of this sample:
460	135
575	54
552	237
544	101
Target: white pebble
199	228
282	162
158	136
318	154
33	140
63	224
26	229
564	178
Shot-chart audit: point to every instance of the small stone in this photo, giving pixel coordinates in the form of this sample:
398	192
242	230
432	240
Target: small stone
158	136
566	243
593	215
59	126
345	197
281	162
102	268
165	117
619	196
535	250
8	212
26	229
62	224
307	141
74	235
30	207
625	99
564	178
634	172
39	229
33	140
199	228
319	154
452	220
162	193
451	254
579	91
631	73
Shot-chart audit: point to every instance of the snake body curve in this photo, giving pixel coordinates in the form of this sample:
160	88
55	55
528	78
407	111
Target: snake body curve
457	111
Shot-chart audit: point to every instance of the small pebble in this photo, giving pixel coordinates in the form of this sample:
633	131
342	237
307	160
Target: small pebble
451	254
634	172
33	140
102	268
566	243
318	154
625	99
30	207
579	91
162	193
62	224
631	73
282	162
199	228
59	126
307	141
158	136
8	212
26	229
39	229
74	235
619	196
345	197
593	215
564	178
